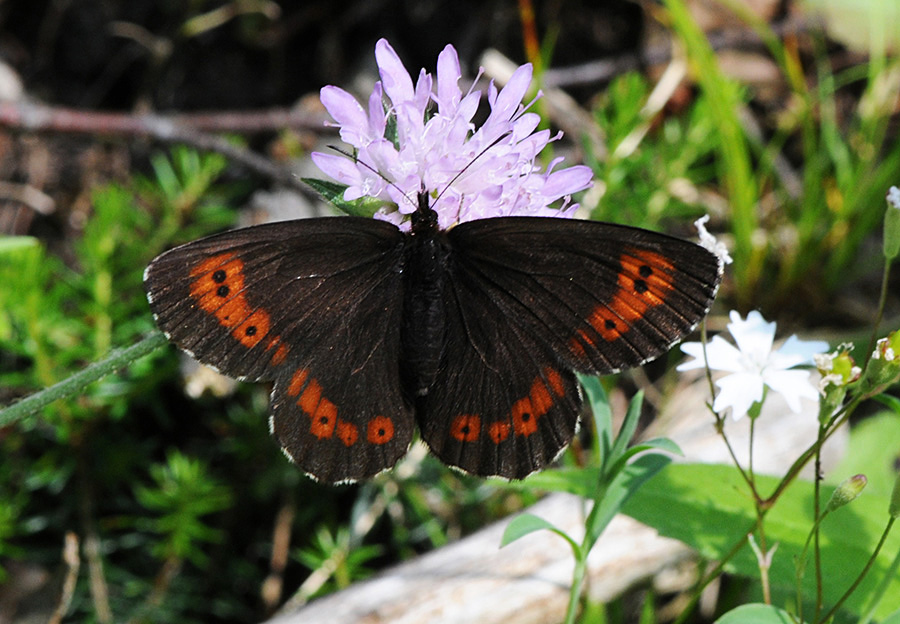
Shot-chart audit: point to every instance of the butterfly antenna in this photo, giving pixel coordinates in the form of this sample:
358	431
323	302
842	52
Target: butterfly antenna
471	162
352	156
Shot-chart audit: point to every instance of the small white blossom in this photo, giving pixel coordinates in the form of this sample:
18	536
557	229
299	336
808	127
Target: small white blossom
845	372
883	349
893	197
754	365
711	243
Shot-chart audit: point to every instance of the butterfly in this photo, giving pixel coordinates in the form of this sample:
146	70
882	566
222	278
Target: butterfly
472	334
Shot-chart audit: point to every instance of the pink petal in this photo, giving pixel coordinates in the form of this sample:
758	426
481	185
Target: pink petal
397	84
448	75
337	167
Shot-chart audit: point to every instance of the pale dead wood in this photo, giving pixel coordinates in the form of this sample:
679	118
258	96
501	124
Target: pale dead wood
474	580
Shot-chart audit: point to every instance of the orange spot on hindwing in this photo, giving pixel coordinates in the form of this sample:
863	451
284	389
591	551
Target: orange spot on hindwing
527	411
380	430
297	381
348	433
309	400
324	419
466	427
498	431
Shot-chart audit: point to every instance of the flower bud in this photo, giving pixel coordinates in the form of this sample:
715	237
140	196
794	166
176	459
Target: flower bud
894	507
838	370
884	367
892	224
846	492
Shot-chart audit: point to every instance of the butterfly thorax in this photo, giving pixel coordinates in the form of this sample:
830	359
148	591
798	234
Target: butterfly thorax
424	271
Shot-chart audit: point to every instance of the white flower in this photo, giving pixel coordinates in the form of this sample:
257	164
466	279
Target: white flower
753	365
711	243
893	197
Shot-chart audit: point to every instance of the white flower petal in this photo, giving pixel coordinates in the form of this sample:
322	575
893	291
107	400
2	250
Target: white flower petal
753	336
695	350
738	391
795	352
792	385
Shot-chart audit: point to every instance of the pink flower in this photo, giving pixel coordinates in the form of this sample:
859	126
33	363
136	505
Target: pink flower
411	137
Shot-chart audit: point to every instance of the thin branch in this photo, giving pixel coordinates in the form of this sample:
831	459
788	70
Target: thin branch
196	130
35	117
73	563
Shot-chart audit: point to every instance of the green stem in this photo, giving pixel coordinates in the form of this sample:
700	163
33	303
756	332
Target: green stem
817	506
76	383
862	574
882	590
711	575
882	300
577	587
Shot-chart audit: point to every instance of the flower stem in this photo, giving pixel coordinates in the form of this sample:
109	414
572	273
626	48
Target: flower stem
76	383
817	506
862	575
882	300
713	574
576	588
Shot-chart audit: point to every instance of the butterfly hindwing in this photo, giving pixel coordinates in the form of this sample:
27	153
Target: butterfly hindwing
503	404
314	306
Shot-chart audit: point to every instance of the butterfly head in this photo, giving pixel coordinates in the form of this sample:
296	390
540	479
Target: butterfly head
424	220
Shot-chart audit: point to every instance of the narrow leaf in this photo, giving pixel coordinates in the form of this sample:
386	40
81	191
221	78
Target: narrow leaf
333	193
756	614
526	523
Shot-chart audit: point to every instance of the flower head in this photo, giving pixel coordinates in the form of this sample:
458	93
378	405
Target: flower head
837	368
420	137
838	371
753	365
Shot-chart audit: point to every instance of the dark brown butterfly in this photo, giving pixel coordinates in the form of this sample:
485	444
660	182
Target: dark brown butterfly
474	333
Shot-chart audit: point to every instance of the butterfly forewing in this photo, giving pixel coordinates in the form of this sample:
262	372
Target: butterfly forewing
315	306
602	297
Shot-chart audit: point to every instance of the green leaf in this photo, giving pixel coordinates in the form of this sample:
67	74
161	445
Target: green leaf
661	444
629	426
708	508
893	618
596	396
756	614
624	485
333	193
526	523
579	481
13	244
889	400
